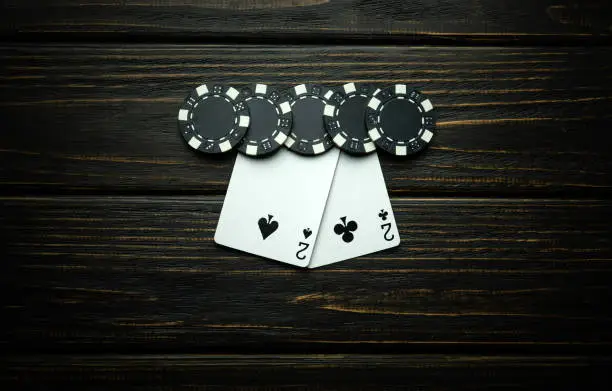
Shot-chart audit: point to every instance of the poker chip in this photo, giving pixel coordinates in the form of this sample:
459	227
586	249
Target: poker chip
400	121
308	103
271	120
213	119
345	122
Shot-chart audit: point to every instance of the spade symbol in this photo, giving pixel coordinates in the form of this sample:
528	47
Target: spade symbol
267	227
307	232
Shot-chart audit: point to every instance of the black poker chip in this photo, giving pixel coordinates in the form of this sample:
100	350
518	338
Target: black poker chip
213	119
271	120
401	121
308	103
345	118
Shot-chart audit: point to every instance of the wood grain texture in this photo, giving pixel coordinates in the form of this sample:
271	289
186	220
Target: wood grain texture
306	372
562	21
101	119
502	278
143	274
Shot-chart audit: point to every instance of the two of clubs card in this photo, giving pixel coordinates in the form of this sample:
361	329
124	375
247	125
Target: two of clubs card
307	212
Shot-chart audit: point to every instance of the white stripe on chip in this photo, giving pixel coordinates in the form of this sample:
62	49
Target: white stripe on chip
194	143
183	114
251	150
290	141
244	121
318	148
400	89
280	138
300	90
225	146
261	89
374	134
426	136
232	93
401	150
201	90
329	94
349	87
369	146
329	110
339	140
374	103
285	107
427	106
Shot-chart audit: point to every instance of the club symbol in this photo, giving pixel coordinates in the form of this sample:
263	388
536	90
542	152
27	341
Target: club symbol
346	229
383	214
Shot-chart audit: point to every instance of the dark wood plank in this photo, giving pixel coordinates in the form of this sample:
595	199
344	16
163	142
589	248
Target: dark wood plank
102	118
438	20
305	372
143	273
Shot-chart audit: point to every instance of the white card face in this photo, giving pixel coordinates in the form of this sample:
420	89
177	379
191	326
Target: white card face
273	206
358	218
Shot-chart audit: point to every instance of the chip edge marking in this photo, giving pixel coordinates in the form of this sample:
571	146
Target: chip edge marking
300	89
244	122
194	143
281	138
369	146
290	141
374	103
225	146
202	90
427	106
339	140
285	107
349	88
318	148
232	93
183	115
374	134
261	89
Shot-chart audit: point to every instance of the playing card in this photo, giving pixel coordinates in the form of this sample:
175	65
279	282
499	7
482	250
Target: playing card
358	218
273	206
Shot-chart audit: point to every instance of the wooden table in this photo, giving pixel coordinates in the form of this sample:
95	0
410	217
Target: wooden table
109	274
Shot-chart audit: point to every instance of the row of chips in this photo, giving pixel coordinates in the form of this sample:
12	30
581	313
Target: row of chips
308	119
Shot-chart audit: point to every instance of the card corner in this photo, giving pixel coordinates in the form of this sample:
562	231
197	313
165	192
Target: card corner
217	240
